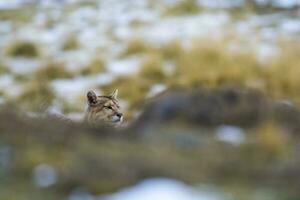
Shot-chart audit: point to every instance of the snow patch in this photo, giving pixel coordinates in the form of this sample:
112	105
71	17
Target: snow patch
164	189
231	134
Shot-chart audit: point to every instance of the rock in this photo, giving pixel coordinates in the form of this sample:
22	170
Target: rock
205	107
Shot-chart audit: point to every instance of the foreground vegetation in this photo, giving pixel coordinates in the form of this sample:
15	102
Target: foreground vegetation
183	145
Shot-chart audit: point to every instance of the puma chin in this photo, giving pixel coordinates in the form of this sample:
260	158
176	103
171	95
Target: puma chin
103	110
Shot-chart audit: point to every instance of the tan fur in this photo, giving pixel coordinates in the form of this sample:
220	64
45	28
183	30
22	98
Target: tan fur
103	110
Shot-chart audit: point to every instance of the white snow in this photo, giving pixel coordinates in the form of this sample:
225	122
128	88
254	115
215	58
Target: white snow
11	4
125	66
185	28
81	194
286	3
6	81
22	66
156	89
44	175
220	3
164	189
290	26
71	89
231	134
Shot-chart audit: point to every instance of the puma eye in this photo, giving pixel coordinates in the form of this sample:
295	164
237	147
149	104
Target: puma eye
109	107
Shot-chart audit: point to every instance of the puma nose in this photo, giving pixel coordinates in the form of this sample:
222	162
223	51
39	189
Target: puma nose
120	115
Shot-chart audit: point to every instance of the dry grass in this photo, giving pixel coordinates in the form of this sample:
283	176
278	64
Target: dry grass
38	96
71	43
211	64
3	69
136	46
96	66
23	15
171	50
183	7
272	139
207	63
23	49
151	68
52	71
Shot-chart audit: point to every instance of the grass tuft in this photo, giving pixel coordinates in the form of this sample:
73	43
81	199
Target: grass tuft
210	65
183	7
38	96
52	71
3	69
136	46
23	15
97	66
71	43
23	49
152	68
172	50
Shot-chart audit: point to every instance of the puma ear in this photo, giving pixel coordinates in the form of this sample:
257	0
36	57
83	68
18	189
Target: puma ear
91	97
114	95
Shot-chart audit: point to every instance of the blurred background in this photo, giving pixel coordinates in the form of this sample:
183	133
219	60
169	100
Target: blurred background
53	51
